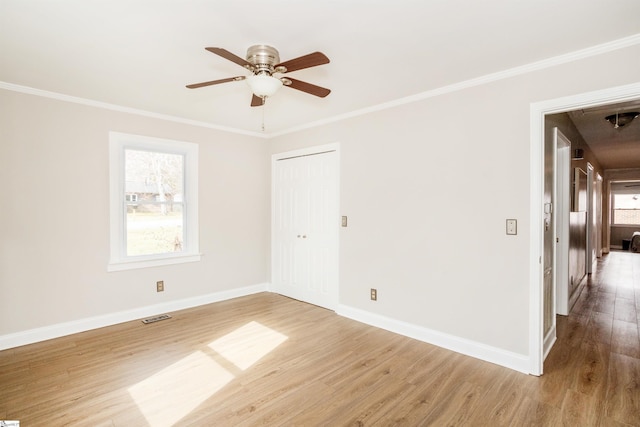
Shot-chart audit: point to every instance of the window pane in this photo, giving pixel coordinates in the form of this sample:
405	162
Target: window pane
151	231
626	201
626	209
154	189
153	176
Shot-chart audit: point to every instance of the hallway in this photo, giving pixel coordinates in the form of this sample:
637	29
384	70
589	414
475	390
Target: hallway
594	367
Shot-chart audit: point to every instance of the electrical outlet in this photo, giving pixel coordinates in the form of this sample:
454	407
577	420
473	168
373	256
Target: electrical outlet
160	286
374	294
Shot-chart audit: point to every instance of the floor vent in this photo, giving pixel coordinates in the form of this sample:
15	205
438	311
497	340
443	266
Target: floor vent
156	318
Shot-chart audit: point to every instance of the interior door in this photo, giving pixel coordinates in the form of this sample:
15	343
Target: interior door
305	225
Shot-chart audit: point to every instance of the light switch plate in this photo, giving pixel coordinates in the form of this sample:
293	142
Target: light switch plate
512	227
344	221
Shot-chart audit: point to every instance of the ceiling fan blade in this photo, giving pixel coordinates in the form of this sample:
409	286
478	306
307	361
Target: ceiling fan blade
256	101
307	87
215	82
306	61
230	56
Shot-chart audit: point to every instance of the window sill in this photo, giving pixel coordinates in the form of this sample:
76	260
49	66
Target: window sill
152	262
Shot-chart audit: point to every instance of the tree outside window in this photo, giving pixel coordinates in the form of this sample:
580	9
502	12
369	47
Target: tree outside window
154	187
154	202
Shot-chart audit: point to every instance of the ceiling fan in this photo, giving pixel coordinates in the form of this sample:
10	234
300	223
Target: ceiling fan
264	61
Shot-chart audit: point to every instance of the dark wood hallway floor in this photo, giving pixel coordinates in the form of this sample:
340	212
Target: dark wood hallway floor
594	367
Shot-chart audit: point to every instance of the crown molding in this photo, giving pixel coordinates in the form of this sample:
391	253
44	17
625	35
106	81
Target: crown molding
478	81
98	104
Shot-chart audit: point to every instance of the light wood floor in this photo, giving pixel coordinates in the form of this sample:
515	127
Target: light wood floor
269	360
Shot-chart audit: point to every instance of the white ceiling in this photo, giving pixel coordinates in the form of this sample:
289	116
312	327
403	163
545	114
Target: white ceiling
141	53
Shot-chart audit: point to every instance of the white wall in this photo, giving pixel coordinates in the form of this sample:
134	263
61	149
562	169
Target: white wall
54	244
427	188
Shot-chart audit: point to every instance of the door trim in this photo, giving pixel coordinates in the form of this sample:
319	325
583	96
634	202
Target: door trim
561	208
538	111
598	212
589	256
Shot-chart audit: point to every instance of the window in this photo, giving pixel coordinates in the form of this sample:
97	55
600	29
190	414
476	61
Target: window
154	206
626	209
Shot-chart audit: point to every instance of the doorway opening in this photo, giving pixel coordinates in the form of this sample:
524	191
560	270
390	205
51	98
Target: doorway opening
538	112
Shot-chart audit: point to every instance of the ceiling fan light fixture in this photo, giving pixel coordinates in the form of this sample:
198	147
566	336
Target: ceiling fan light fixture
619	120
264	85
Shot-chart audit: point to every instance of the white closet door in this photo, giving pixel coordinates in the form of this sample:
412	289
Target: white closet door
305	227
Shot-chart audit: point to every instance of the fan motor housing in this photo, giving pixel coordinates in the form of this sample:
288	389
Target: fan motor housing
263	58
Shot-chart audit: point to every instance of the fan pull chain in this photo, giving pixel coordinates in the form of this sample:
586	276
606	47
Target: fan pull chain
263	114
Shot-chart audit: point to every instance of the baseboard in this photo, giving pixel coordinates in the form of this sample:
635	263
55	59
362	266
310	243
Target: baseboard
67	328
573	298
471	348
498	356
549	341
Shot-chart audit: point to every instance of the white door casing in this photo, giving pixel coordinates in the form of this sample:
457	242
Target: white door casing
305	225
561	203
549	229
598	218
590	255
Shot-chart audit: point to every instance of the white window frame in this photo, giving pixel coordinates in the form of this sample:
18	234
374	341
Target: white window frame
619	188
118	143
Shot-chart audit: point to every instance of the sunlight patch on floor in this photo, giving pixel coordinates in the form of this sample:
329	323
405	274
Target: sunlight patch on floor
248	344
172	393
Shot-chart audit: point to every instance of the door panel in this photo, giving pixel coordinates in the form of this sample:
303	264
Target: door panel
305	228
